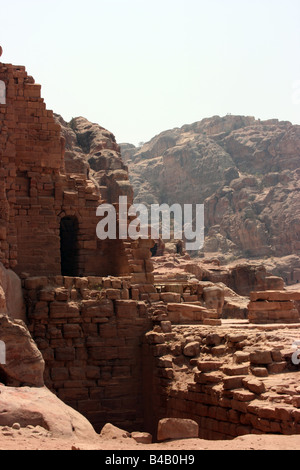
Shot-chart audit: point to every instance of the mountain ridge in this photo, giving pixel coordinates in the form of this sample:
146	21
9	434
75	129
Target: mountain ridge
245	171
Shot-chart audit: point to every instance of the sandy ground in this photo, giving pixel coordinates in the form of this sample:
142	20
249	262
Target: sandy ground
24	440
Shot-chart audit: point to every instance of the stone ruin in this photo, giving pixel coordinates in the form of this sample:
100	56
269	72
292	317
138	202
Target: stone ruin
273	307
48	216
97	327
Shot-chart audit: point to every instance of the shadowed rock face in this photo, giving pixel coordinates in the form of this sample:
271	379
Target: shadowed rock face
21	363
11	295
92	151
245	171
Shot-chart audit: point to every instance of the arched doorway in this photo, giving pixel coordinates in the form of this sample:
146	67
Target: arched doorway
69	246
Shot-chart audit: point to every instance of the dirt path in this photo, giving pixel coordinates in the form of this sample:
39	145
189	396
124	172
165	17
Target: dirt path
24	441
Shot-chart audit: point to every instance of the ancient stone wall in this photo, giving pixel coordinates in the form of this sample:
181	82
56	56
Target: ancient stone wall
89	331
232	382
31	157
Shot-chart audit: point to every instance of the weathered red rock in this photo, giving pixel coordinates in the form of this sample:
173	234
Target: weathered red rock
273	307
176	428
142	437
38	406
109	431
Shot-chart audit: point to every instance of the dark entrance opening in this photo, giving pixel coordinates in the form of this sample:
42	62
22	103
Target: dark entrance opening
69	246
154	250
3	377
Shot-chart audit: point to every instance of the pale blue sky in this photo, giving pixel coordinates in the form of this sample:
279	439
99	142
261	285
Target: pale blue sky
139	67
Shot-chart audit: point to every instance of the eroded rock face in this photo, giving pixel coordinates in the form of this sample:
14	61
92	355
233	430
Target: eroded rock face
93	151
24	362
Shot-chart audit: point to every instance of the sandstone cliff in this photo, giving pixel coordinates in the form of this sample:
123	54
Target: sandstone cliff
245	171
92	151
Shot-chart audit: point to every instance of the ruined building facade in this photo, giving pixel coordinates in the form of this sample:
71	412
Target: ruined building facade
48	216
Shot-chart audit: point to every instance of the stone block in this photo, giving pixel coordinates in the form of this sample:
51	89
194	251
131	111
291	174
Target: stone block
241	357
155	338
33	283
213	377
254	385
166	326
208	366
65	354
169	297
236	370
176	428
113	294
72	331
277	367
213	339
267	305
261	357
260	371
182	312
231	383
274	295
243	395
64	310
192	349
142	437
59	373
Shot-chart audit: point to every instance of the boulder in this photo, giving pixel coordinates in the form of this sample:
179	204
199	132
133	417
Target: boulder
177	428
109	431
24	363
40	407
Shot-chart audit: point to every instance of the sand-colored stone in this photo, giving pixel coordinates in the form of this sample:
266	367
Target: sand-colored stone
38	406
176	428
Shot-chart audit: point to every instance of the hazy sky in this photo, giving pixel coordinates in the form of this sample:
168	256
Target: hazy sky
139	67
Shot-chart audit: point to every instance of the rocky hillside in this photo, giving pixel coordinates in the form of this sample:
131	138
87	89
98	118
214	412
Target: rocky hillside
245	171
92	151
